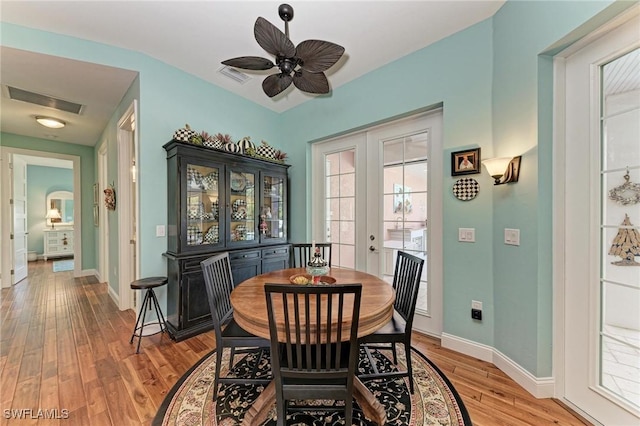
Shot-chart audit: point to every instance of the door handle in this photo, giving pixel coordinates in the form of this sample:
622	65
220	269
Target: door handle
372	248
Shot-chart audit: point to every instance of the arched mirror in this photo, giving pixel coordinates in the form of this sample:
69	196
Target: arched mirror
62	201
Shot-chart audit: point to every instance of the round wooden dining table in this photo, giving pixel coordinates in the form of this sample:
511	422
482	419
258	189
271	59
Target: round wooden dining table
250	312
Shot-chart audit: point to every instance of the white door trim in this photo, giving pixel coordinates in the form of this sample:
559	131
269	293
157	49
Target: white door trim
103	230
127	266
6	153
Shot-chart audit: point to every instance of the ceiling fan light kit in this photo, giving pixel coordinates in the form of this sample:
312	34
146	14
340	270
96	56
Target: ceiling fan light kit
303	66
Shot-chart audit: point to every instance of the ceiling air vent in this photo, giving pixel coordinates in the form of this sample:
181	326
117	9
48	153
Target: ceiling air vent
43	100
234	74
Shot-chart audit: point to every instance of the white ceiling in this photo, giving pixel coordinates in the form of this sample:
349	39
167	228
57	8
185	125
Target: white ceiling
196	36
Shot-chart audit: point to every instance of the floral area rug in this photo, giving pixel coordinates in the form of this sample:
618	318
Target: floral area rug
434	402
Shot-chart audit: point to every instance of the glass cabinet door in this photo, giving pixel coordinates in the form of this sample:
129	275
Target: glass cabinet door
203	189
242	203
272	225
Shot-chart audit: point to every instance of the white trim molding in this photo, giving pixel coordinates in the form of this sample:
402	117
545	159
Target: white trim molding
539	387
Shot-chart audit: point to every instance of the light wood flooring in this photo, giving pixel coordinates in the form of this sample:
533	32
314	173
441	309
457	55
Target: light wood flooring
65	346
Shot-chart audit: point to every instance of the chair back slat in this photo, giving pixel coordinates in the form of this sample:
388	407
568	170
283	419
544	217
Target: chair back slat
316	351
218	281
301	254
406	281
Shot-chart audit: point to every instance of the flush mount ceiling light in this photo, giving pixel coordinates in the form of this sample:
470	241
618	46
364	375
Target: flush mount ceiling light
52	123
503	170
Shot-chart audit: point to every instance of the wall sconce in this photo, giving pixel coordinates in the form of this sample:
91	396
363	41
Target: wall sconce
54	216
503	170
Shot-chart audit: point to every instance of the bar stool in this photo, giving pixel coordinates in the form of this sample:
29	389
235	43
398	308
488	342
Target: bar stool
149	300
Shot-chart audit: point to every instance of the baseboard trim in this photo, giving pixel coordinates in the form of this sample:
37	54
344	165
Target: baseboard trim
539	387
114	296
88	273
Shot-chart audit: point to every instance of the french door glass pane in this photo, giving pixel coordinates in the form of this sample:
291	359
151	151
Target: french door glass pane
340	207
405	204
620	231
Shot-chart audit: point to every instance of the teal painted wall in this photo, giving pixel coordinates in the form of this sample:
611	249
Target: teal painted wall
486	77
41	181
522	298
87	173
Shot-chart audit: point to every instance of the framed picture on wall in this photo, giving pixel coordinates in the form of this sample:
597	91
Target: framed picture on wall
465	162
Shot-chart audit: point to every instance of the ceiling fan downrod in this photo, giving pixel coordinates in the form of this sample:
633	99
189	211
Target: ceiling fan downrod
285	12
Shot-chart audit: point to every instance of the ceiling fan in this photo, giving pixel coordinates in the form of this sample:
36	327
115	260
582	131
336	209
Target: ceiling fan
303	65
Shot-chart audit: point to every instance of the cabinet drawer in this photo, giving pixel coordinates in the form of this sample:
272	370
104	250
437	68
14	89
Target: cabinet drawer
245	255
60	249
191	265
275	252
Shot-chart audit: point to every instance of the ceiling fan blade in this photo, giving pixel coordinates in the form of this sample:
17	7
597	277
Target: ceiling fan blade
311	82
318	55
250	63
273	40
275	84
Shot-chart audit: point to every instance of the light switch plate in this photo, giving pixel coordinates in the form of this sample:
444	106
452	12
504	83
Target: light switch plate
512	236
160	231
467	235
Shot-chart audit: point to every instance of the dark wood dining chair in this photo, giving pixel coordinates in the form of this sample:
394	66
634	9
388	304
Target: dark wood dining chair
218	281
312	361
406	281
301	254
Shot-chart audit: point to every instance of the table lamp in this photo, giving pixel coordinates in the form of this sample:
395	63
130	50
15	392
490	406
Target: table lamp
54	216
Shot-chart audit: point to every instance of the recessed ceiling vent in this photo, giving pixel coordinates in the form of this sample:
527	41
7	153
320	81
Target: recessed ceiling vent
43	100
234	74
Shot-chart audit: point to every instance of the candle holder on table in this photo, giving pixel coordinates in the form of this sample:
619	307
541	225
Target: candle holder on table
317	267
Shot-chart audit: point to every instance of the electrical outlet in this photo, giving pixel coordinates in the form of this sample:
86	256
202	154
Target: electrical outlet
476	314
476	305
160	231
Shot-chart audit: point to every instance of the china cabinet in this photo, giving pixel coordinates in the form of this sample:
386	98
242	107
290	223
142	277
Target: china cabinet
219	201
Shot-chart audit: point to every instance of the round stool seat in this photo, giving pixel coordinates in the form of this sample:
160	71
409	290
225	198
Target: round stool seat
151	282
149	302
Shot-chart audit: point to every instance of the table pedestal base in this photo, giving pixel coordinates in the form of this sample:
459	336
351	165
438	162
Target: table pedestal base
259	410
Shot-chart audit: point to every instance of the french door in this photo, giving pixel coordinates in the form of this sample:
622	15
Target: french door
377	192
601	362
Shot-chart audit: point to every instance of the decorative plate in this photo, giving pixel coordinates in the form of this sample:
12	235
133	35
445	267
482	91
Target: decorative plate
242	210
194	178
210	181
211	237
466	189
239	203
238	182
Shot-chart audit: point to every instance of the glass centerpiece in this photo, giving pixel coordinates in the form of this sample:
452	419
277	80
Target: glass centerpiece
317	266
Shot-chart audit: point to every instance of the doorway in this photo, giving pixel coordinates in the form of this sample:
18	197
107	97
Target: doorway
128	253
378	193
598	280
7	248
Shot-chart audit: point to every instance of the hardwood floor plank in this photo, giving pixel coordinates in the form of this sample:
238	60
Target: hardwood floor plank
65	345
